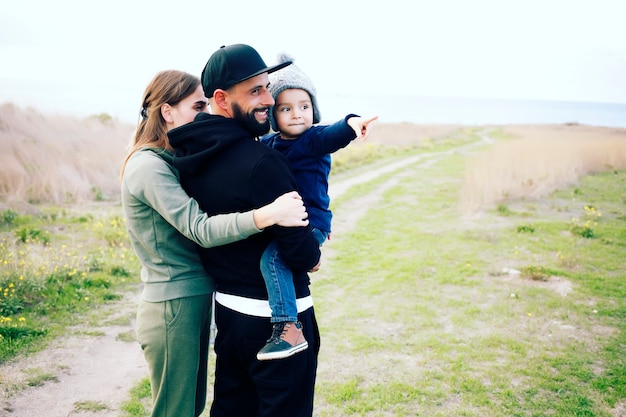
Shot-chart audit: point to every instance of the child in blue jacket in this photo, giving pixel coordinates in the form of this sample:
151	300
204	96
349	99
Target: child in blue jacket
308	148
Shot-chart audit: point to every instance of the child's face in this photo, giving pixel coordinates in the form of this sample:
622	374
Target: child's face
293	112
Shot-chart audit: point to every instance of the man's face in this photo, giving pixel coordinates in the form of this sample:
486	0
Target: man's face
250	104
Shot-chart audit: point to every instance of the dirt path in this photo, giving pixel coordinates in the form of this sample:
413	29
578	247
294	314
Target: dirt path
83	370
78	369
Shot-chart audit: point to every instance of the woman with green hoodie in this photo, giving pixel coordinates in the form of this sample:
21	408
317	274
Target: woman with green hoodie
165	227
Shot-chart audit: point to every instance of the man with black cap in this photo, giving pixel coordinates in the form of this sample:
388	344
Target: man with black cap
226	169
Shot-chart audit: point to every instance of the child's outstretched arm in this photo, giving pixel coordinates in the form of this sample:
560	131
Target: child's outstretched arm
361	126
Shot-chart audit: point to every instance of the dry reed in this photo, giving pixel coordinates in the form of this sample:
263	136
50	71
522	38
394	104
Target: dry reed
538	160
61	159
58	159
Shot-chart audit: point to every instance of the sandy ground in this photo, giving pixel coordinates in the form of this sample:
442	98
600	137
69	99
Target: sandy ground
101	369
82	368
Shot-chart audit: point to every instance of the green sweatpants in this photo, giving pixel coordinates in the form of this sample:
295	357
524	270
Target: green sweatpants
174	337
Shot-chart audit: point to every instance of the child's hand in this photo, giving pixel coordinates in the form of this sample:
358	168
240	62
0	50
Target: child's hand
361	126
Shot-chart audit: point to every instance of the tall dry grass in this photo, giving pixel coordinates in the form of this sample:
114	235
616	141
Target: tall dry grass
59	159
536	160
62	159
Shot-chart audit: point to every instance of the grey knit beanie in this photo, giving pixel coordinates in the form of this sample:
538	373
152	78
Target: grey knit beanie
292	77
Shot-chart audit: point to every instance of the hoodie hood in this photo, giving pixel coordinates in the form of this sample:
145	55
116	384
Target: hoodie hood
198	142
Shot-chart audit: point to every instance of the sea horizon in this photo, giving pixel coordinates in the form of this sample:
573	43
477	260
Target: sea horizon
70	100
472	111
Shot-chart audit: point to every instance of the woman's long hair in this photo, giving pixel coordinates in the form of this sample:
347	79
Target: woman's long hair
169	87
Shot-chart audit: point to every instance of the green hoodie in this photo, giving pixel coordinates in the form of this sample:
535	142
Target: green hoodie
165	224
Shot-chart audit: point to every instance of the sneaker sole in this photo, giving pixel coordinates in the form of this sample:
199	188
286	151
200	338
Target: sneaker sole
282	354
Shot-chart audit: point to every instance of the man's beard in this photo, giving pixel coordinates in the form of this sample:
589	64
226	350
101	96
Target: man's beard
249	121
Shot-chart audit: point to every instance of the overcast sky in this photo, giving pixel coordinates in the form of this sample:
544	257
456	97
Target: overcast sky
84	57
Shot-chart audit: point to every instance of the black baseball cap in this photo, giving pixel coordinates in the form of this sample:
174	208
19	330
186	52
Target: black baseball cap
233	64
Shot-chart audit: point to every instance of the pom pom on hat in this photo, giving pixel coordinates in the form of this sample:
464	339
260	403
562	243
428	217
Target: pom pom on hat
292	77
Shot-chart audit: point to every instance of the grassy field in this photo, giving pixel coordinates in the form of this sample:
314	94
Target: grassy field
481	282
427	309
57	265
514	311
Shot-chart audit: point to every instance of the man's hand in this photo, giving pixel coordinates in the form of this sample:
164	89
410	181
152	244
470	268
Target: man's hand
316	267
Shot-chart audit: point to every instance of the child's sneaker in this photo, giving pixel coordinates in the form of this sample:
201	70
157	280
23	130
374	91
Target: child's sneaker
287	339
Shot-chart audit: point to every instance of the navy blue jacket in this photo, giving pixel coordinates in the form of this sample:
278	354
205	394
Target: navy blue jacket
309	156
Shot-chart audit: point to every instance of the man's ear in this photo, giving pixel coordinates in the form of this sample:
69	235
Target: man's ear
220	98
166	112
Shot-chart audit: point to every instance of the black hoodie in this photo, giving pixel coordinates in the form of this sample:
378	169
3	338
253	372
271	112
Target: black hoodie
227	170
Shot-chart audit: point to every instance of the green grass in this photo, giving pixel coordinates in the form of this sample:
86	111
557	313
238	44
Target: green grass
37	377
139	402
91	406
54	267
418	318
423	312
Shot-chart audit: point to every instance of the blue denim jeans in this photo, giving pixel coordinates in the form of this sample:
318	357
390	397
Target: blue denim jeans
279	281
